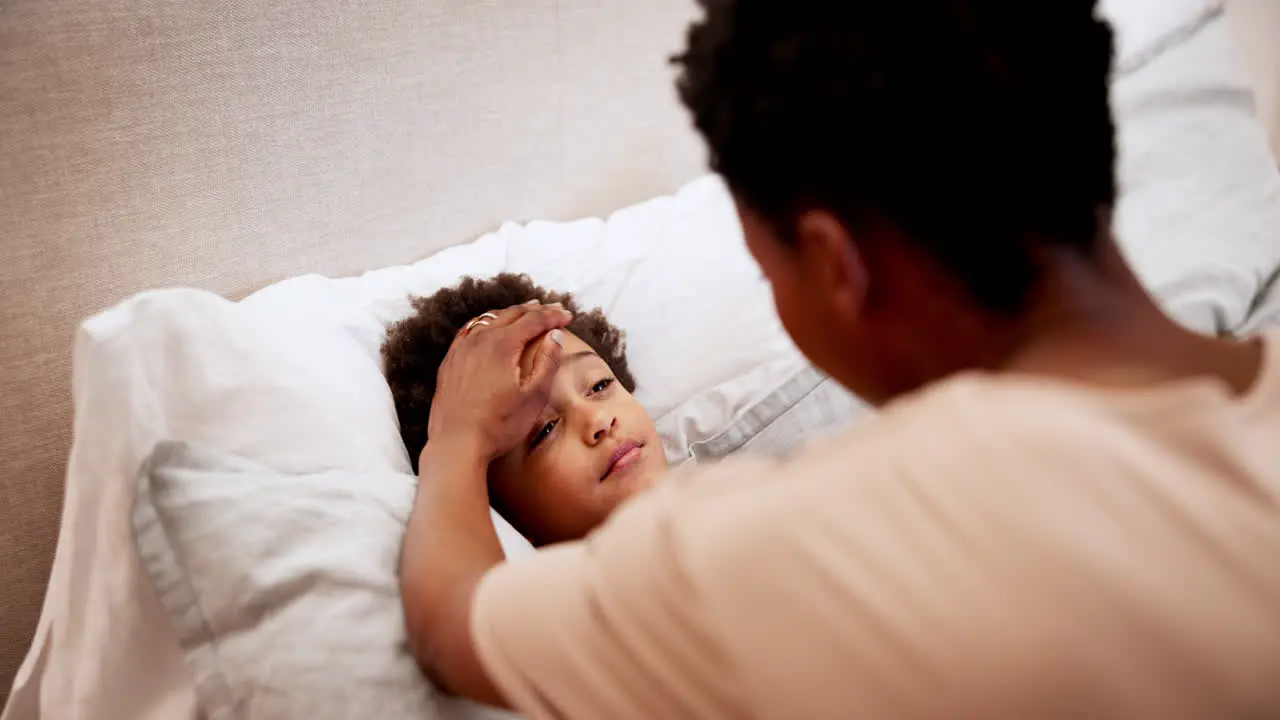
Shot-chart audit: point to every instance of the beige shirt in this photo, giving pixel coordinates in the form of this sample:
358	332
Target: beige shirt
990	548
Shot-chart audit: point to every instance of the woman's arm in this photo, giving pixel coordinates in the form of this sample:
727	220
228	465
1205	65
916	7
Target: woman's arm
484	404
449	545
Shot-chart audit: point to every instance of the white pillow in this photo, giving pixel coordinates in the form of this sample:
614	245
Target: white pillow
183	364
1199	214
283	587
1145	28
1266	311
673	272
806	408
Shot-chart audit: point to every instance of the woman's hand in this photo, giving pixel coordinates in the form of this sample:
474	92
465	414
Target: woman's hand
484	403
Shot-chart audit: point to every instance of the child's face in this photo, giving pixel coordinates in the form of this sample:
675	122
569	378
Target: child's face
592	447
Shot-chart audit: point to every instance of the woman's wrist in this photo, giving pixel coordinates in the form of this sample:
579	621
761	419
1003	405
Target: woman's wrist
454	456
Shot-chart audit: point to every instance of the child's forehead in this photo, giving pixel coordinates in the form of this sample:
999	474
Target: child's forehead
574	344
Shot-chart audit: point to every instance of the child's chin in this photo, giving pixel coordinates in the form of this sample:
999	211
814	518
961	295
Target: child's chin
639	481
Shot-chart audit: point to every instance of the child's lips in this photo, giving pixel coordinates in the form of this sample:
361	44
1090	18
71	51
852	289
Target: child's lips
624	458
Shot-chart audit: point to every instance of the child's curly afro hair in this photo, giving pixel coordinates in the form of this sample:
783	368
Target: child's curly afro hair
416	345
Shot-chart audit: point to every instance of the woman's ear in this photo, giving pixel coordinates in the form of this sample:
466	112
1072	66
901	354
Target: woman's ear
832	262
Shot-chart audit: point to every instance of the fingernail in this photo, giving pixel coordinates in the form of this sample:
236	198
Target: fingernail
533	302
557	337
556	305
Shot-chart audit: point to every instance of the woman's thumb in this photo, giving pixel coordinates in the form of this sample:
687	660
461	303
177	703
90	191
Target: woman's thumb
546	360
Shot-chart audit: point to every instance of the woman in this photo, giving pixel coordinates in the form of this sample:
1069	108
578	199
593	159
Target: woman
592	446
1067	506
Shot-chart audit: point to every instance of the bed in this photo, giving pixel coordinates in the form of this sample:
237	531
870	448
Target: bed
228	146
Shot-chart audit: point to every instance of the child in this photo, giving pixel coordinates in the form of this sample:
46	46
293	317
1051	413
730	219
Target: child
594	445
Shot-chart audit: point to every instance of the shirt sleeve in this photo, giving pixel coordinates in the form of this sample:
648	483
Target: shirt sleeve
604	628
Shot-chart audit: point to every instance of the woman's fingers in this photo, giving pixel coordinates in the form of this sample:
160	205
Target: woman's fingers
516	328
536	320
547	352
477	390
509	315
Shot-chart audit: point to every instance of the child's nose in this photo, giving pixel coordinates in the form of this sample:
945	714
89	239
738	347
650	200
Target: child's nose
601	426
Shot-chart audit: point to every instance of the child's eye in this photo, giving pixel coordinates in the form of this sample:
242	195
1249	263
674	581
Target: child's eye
602	385
542	434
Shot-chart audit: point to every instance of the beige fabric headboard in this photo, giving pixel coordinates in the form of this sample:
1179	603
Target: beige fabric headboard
226	145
